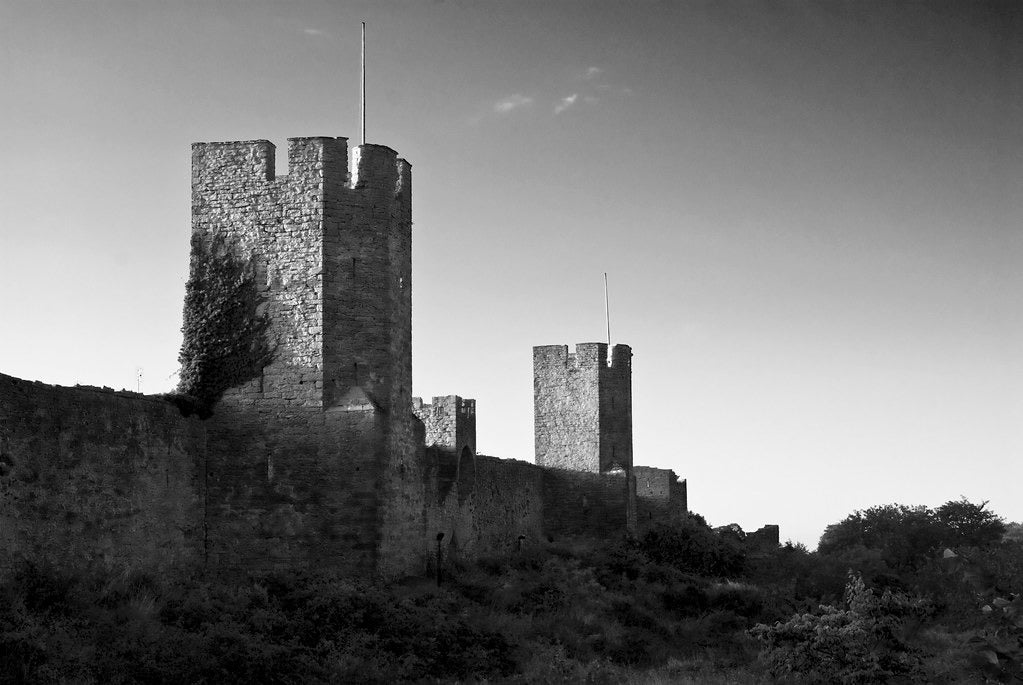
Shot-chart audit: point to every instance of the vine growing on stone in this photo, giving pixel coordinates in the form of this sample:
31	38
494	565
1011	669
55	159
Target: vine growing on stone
225	328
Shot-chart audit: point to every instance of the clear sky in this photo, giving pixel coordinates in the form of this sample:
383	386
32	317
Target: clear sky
811	216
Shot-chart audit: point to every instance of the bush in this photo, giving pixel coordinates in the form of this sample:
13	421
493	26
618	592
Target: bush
695	548
859	644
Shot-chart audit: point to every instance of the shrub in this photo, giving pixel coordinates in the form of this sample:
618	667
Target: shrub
692	547
859	644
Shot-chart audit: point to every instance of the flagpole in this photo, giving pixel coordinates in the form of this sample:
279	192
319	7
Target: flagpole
362	108
607	316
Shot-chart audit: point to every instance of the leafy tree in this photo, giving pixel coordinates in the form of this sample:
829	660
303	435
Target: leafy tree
966	523
903	534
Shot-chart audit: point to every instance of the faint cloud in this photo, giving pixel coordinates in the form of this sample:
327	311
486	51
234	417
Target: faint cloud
314	32
592	73
512	102
565	103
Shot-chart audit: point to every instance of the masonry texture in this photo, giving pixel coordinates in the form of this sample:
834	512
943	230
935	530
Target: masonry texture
313	462
583	407
660	495
322	459
90	478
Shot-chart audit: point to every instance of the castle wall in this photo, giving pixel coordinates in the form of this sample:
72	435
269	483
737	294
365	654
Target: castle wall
507	502
323	459
580	503
95	478
660	496
492	503
284	495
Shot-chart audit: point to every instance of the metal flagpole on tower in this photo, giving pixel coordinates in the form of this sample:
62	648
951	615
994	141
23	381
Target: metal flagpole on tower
362	107
607	318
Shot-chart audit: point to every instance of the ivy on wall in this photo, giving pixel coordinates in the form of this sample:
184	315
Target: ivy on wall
225	327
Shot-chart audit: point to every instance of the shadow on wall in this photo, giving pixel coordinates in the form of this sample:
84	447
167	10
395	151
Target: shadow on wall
466	474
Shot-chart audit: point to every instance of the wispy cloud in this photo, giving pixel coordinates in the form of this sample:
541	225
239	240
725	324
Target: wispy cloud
566	102
590	88
512	102
314	32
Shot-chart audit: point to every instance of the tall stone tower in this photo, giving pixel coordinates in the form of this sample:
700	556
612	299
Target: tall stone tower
313	461
583	407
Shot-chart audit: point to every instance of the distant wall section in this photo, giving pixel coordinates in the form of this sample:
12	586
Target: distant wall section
660	496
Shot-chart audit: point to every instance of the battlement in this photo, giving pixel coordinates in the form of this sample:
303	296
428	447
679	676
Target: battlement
450	422
586	355
452	404
311	160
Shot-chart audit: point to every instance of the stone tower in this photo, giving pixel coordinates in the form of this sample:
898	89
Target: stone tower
313	462
583	407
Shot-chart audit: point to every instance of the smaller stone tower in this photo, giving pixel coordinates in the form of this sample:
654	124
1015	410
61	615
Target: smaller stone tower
583	407
450	423
450	439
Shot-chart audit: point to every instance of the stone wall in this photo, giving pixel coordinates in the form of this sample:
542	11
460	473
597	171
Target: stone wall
615	381
580	503
765	538
660	496
583	407
450	422
95	478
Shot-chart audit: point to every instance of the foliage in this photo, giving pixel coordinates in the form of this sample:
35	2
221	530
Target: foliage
859	644
1013	532
906	536
693	547
225	326
998	645
315	628
966	523
678	604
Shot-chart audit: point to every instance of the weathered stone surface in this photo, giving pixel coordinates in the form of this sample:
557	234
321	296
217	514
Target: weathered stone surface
583	407
95	478
450	422
315	461
660	495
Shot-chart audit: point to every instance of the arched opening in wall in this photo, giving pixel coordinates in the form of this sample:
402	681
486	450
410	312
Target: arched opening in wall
447	473
466	474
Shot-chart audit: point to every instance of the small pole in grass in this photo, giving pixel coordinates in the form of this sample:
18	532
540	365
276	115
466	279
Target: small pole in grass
440	559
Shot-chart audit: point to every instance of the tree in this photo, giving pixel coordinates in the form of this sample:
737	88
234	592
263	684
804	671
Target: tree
969	524
905	535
